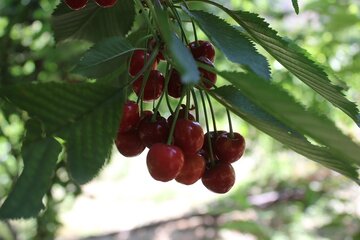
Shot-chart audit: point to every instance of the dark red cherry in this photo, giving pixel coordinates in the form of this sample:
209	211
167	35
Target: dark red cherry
202	49
193	169
229	148
130	117
151	46
212	135
138	60
219	178
180	116
106	3
129	143
153	88
153	132
76	4
189	136
175	85
164	161
208	79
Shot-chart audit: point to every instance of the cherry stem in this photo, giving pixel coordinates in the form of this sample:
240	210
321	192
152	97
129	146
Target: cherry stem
171	133
212	159
164	93
178	19
230	123
187	104
147	19
192	23
167	79
197	115
212	111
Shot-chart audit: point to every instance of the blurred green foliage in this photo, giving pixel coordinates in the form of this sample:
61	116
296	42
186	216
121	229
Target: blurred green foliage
328	29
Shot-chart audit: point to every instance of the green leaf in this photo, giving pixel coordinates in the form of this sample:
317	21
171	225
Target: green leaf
181	56
296	6
236	47
93	23
296	62
40	157
245	108
280	104
104	58
85	115
292	59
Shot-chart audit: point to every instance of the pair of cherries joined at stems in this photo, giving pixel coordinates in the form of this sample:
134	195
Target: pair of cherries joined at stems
79	4
188	159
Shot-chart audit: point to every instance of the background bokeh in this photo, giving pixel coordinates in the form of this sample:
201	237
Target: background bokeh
278	194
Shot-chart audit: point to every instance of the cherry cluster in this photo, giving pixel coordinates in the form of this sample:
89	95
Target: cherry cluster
79	4
178	147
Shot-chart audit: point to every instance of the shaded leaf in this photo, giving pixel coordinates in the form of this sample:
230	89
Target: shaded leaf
40	156
93	23
85	115
295	5
104	58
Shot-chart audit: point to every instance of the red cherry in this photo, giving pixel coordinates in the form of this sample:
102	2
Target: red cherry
152	44
138	60
106	3
130	116
202	49
180	116
220	178
208	79
189	136
76	4
153	132
228	148
175	85
153	88
212	135
193	169
129	143
164	162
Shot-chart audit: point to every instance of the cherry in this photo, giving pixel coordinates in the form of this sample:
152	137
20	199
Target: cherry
219	178
76	4
130	116
208	78
202	49
175	85
153	88
164	161
106	3
129	143
153	132
193	169
138	60
189	136
151	44
180	116
229	148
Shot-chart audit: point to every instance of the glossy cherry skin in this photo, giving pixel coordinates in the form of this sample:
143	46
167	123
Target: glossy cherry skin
193	169
208	79
138	60
130	117
229	149
129	143
202	49
106	3
76	4
164	161
175	85
219	178
153	132
153	88
189	136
